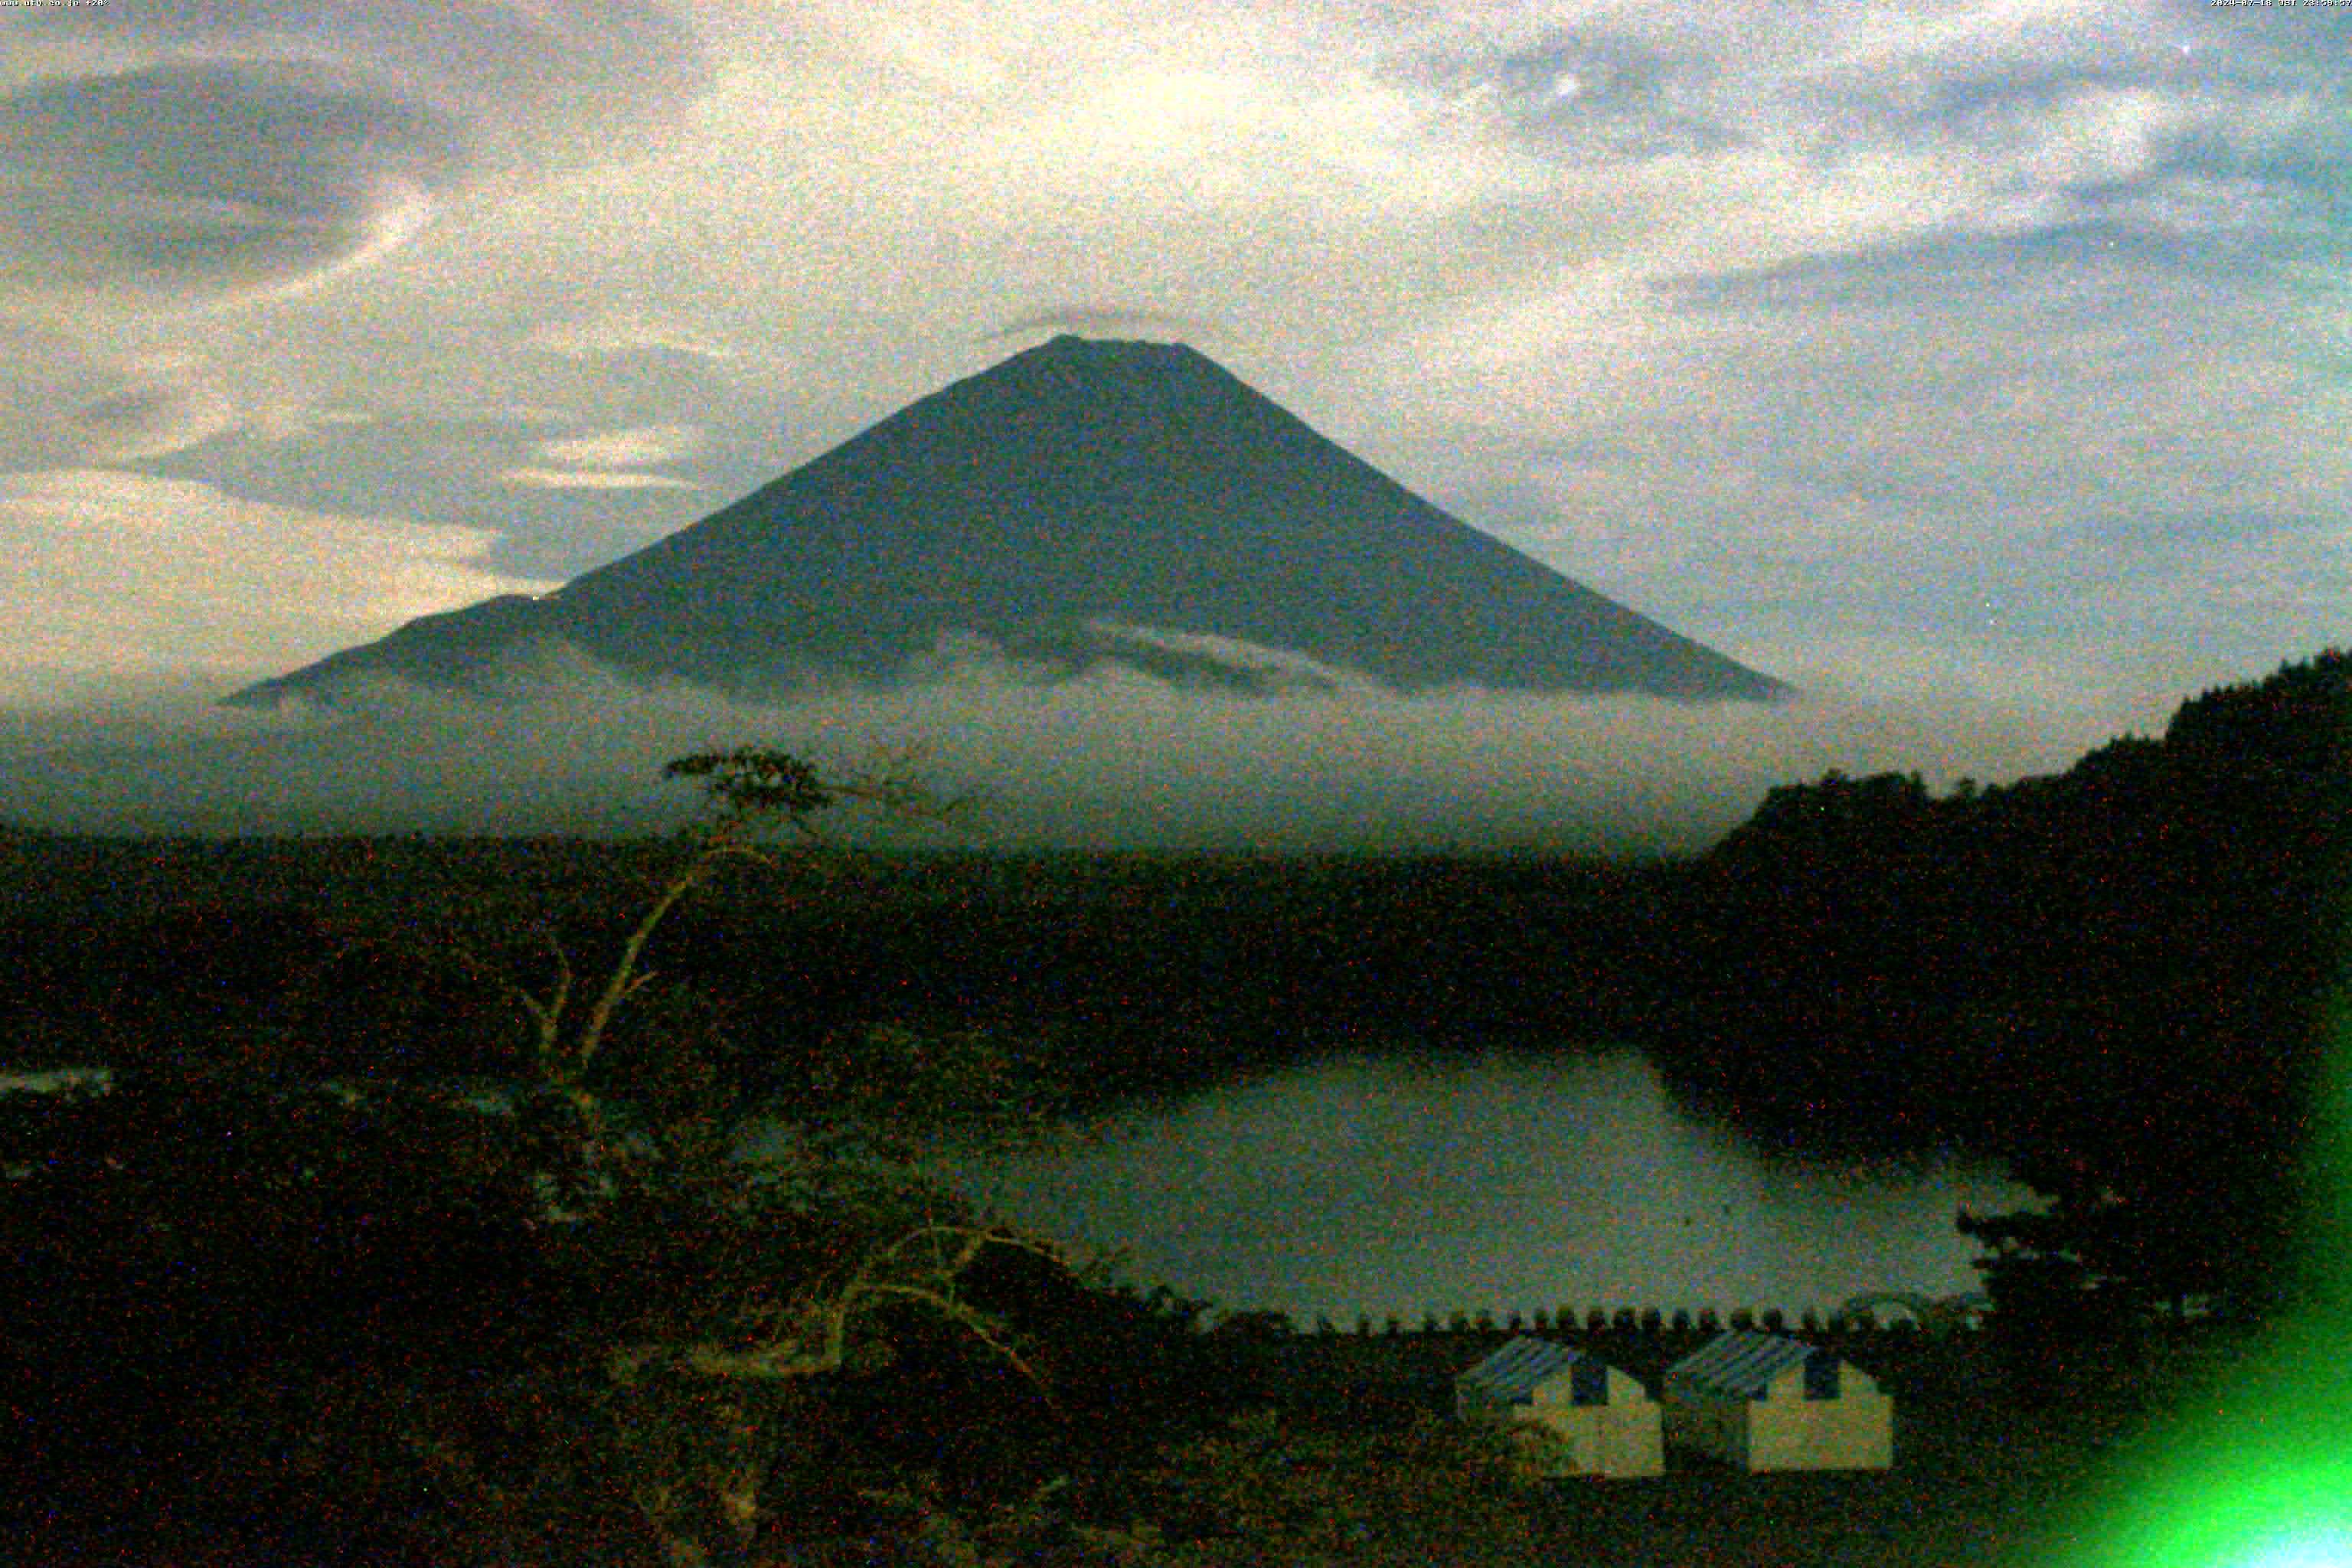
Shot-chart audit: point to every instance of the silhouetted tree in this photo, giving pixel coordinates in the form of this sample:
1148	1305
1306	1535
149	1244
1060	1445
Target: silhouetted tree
568	1304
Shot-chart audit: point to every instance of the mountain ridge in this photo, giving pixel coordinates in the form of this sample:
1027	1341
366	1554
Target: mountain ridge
1077	486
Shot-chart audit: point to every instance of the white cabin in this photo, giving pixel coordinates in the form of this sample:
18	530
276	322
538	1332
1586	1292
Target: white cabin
1762	1402
1605	1422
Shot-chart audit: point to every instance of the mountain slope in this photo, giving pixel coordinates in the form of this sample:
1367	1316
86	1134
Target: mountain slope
1081	501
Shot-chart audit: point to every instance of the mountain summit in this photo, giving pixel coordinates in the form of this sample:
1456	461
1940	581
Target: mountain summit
1082	501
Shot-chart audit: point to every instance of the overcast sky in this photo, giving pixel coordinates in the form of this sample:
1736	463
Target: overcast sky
1988	352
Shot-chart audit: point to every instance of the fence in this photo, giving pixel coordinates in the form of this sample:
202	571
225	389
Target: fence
1652	1323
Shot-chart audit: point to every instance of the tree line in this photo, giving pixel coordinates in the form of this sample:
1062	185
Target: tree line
2117	980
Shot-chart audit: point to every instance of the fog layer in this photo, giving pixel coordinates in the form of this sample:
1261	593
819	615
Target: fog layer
1114	758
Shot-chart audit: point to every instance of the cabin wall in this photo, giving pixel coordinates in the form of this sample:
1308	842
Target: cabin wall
1716	1429
1855	1431
1624	1436
1616	1439
1629	1440
1787	1431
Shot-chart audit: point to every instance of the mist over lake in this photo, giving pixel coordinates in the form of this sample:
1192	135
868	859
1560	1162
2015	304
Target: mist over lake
1399	1185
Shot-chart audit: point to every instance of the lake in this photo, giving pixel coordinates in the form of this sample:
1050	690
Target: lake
1393	1185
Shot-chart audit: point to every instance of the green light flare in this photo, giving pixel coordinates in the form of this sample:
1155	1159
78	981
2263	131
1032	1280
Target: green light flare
2243	1485
2259	1476
2328	1548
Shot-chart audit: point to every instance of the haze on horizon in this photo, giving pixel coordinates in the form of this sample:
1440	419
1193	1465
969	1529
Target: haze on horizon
1976	374
1116	758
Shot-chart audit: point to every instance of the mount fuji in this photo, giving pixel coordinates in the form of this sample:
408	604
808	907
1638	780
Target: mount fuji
1084	501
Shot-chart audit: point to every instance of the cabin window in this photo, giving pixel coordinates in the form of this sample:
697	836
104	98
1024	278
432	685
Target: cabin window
1821	1377
1588	1382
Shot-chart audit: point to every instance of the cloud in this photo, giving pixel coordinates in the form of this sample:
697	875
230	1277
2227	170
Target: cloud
1116	758
198	178
619	332
622	448
591	479
1104	321
457	426
182	151
1798	326
601	462
1275	668
1844	450
119	571
63	403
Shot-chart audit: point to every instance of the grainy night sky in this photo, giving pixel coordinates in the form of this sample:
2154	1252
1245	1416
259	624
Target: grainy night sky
1987	354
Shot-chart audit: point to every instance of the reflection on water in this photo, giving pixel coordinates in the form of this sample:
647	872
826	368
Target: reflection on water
1387	1186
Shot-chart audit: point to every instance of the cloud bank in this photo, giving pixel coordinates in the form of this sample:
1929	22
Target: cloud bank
1115	759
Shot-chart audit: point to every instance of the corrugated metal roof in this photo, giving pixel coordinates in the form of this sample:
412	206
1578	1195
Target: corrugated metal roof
1740	1366
1513	1371
1512	1375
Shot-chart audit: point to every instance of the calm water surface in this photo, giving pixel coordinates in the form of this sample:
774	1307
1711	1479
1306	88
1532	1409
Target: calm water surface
1391	1186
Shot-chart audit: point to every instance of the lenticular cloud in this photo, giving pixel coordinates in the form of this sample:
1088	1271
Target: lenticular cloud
185	153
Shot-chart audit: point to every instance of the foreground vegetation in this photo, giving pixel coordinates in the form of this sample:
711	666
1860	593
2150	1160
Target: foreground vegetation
483	1268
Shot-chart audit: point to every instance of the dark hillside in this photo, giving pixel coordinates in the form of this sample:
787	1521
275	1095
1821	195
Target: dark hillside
2113	977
